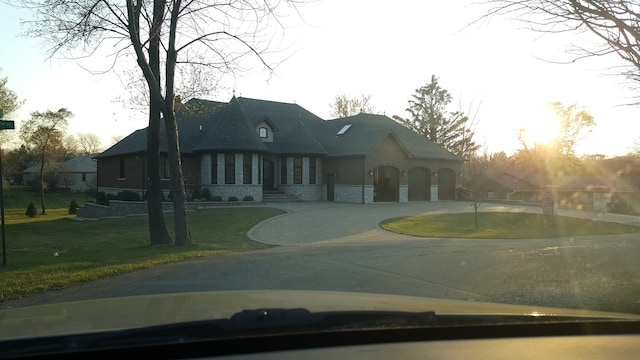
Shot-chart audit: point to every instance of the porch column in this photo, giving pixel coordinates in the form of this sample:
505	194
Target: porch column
434	185
220	168
255	169
205	169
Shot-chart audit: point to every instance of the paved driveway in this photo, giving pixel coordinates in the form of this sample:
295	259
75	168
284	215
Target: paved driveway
340	247
309	222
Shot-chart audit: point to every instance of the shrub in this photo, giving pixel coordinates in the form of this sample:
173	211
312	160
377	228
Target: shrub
196	195
128	195
247	198
73	207
233	198
216	198
207	195
31	210
101	198
145	196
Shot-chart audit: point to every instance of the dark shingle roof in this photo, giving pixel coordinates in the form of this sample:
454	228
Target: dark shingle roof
299	141
135	143
368	130
213	126
231	131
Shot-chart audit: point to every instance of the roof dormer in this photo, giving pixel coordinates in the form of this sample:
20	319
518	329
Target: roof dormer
265	129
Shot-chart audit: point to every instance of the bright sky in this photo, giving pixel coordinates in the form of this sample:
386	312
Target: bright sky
368	47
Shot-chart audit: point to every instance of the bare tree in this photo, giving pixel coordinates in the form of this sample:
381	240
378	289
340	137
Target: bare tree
116	139
344	106
615	23
70	145
88	143
574	121
475	171
160	36
192	80
44	134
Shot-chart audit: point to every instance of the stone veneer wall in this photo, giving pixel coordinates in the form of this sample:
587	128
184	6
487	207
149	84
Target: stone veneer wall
304	192
237	190
348	193
119	208
404	193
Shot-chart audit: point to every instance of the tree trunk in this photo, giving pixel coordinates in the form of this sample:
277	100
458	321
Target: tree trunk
42	185
475	210
157	226
182	236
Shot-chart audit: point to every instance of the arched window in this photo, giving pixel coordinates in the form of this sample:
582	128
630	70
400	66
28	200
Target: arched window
263	132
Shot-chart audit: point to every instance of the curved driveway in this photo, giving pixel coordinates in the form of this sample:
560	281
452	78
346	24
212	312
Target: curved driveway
308	222
345	250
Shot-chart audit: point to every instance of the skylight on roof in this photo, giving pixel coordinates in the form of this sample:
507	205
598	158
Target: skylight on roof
344	129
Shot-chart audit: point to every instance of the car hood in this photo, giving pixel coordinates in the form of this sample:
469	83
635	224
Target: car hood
149	310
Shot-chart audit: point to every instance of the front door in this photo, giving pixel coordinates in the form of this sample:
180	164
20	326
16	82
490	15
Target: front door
331	180
267	175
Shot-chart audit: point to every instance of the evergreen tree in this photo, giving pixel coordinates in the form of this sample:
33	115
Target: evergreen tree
429	117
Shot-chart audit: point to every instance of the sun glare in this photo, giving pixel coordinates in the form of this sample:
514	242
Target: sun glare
541	127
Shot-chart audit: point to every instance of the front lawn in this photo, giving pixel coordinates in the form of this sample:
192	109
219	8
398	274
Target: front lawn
53	251
497	225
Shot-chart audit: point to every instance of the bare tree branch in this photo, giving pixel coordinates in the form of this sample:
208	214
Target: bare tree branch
615	23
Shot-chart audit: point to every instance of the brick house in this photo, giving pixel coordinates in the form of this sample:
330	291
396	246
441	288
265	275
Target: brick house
251	147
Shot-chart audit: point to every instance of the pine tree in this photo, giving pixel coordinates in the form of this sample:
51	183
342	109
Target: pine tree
429	118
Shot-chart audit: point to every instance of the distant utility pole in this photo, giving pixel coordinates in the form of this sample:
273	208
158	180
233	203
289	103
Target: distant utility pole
4	125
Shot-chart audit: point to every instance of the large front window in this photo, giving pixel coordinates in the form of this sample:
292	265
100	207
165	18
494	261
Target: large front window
246	168
214	168
229	168
297	170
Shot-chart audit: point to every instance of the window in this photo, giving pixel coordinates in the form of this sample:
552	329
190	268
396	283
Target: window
167	171
247	168
121	174
344	129
229	168
297	170
214	168
84	176
283	170
263	132
312	170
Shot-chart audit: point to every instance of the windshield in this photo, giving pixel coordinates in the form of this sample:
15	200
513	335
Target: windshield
457	153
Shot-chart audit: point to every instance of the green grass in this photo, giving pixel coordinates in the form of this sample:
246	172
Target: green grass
495	225
17	198
53	251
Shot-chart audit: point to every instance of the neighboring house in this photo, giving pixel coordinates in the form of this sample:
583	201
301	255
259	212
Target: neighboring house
576	192
250	147
594	192
512	187
78	174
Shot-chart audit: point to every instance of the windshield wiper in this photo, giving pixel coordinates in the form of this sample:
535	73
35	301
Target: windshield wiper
298	322
262	322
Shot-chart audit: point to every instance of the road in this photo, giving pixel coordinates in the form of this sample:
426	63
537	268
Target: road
597	273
